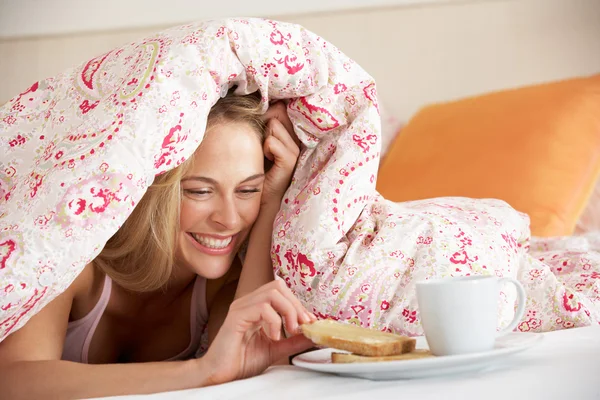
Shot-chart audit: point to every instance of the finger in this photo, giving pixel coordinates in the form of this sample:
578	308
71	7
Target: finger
287	347
275	151
304	316
278	110
274	109
266	328
272	321
277	129
284	307
256	313
261	315
280	303
262	293
267	148
278	290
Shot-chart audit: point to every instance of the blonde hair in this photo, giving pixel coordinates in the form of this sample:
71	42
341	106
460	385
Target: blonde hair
140	255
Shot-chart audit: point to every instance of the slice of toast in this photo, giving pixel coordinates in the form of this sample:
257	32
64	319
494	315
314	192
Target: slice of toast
357	340
345	358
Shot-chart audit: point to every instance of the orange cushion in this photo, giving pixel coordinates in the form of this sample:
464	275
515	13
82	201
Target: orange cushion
537	148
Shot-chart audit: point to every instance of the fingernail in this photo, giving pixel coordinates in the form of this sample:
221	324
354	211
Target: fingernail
306	317
293	327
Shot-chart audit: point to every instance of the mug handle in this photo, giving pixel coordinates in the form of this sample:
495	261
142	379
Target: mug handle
521	299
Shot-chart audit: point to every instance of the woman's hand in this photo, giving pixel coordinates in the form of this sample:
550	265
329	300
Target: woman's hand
278	111
281	147
250	339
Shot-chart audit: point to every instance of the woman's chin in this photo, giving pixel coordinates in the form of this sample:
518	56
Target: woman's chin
211	268
213	275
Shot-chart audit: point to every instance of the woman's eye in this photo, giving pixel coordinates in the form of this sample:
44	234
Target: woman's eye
248	192
198	192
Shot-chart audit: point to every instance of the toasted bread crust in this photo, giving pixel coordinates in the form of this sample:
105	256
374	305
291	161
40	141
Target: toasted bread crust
357	340
344	358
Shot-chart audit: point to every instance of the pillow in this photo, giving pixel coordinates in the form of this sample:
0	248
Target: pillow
537	148
589	221
390	128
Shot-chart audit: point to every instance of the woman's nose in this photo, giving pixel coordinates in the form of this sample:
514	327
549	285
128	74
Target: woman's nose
227	214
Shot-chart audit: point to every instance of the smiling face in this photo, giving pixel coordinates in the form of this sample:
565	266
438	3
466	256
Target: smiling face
221	196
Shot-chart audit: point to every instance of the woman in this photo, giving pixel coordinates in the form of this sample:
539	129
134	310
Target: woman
160	308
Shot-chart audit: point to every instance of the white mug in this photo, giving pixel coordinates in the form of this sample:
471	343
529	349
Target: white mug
460	315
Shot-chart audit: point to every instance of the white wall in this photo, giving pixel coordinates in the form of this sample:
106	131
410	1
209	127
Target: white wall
19	18
418	55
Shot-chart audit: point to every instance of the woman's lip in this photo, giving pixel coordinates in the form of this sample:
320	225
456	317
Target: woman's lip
210	235
209	250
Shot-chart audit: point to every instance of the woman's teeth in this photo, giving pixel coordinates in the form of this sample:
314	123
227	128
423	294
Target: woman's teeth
212	242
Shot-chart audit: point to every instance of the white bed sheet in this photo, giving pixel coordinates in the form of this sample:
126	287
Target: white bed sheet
565	365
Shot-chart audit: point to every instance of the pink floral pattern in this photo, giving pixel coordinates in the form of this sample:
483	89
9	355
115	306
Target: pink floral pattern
80	149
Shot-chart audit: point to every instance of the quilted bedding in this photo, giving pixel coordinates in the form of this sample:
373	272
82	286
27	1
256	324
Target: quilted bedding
80	149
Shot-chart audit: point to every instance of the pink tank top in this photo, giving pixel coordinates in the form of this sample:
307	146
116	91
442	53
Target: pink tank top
80	333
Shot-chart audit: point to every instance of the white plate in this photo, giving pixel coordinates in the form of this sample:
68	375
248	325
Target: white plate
507	345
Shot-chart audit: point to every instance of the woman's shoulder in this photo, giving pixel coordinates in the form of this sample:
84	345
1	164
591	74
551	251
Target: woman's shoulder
86	289
85	280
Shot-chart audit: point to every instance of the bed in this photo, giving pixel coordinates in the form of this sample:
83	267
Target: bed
564	364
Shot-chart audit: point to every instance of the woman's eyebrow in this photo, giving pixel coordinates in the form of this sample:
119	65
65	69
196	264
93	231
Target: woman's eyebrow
214	182
200	178
252	177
